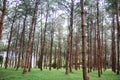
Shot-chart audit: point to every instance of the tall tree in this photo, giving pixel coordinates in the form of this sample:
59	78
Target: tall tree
95	50
113	45
2	17
9	41
43	40
71	34
89	46
32	47
30	38
59	49
85	76
67	57
21	41
98	41
118	36
51	45
76	51
105	53
16	45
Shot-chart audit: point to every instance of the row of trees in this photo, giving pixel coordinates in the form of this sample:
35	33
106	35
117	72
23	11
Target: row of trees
61	34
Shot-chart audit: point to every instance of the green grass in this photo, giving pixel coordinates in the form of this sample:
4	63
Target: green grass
36	74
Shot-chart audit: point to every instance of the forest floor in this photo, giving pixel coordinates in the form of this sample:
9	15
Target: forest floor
36	74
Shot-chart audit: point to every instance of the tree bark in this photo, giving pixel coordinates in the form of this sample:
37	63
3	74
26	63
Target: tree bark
51	45
85	76
2	17
32	47
113	45
95	50
16	45
22	42
55	57
59	52
9	41
88	40
41	40
67	57
106	51
102	49
30	37
40	63
98	40
118	36
76	52
91	62
71	35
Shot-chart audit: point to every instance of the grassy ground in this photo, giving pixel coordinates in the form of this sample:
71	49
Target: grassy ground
36	74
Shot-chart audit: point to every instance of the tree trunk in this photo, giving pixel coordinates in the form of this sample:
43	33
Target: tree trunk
118	36
85	76
102	49
16	45
55	58
71	34
45	59
98	40
67	57
113	56
76	52
37	50
106	51
43	43
32	48
11	55
91	62
95	50
39	41
30	37
88	51
51	45
2	17
9	41
21	45
22	42
59	52
89	47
